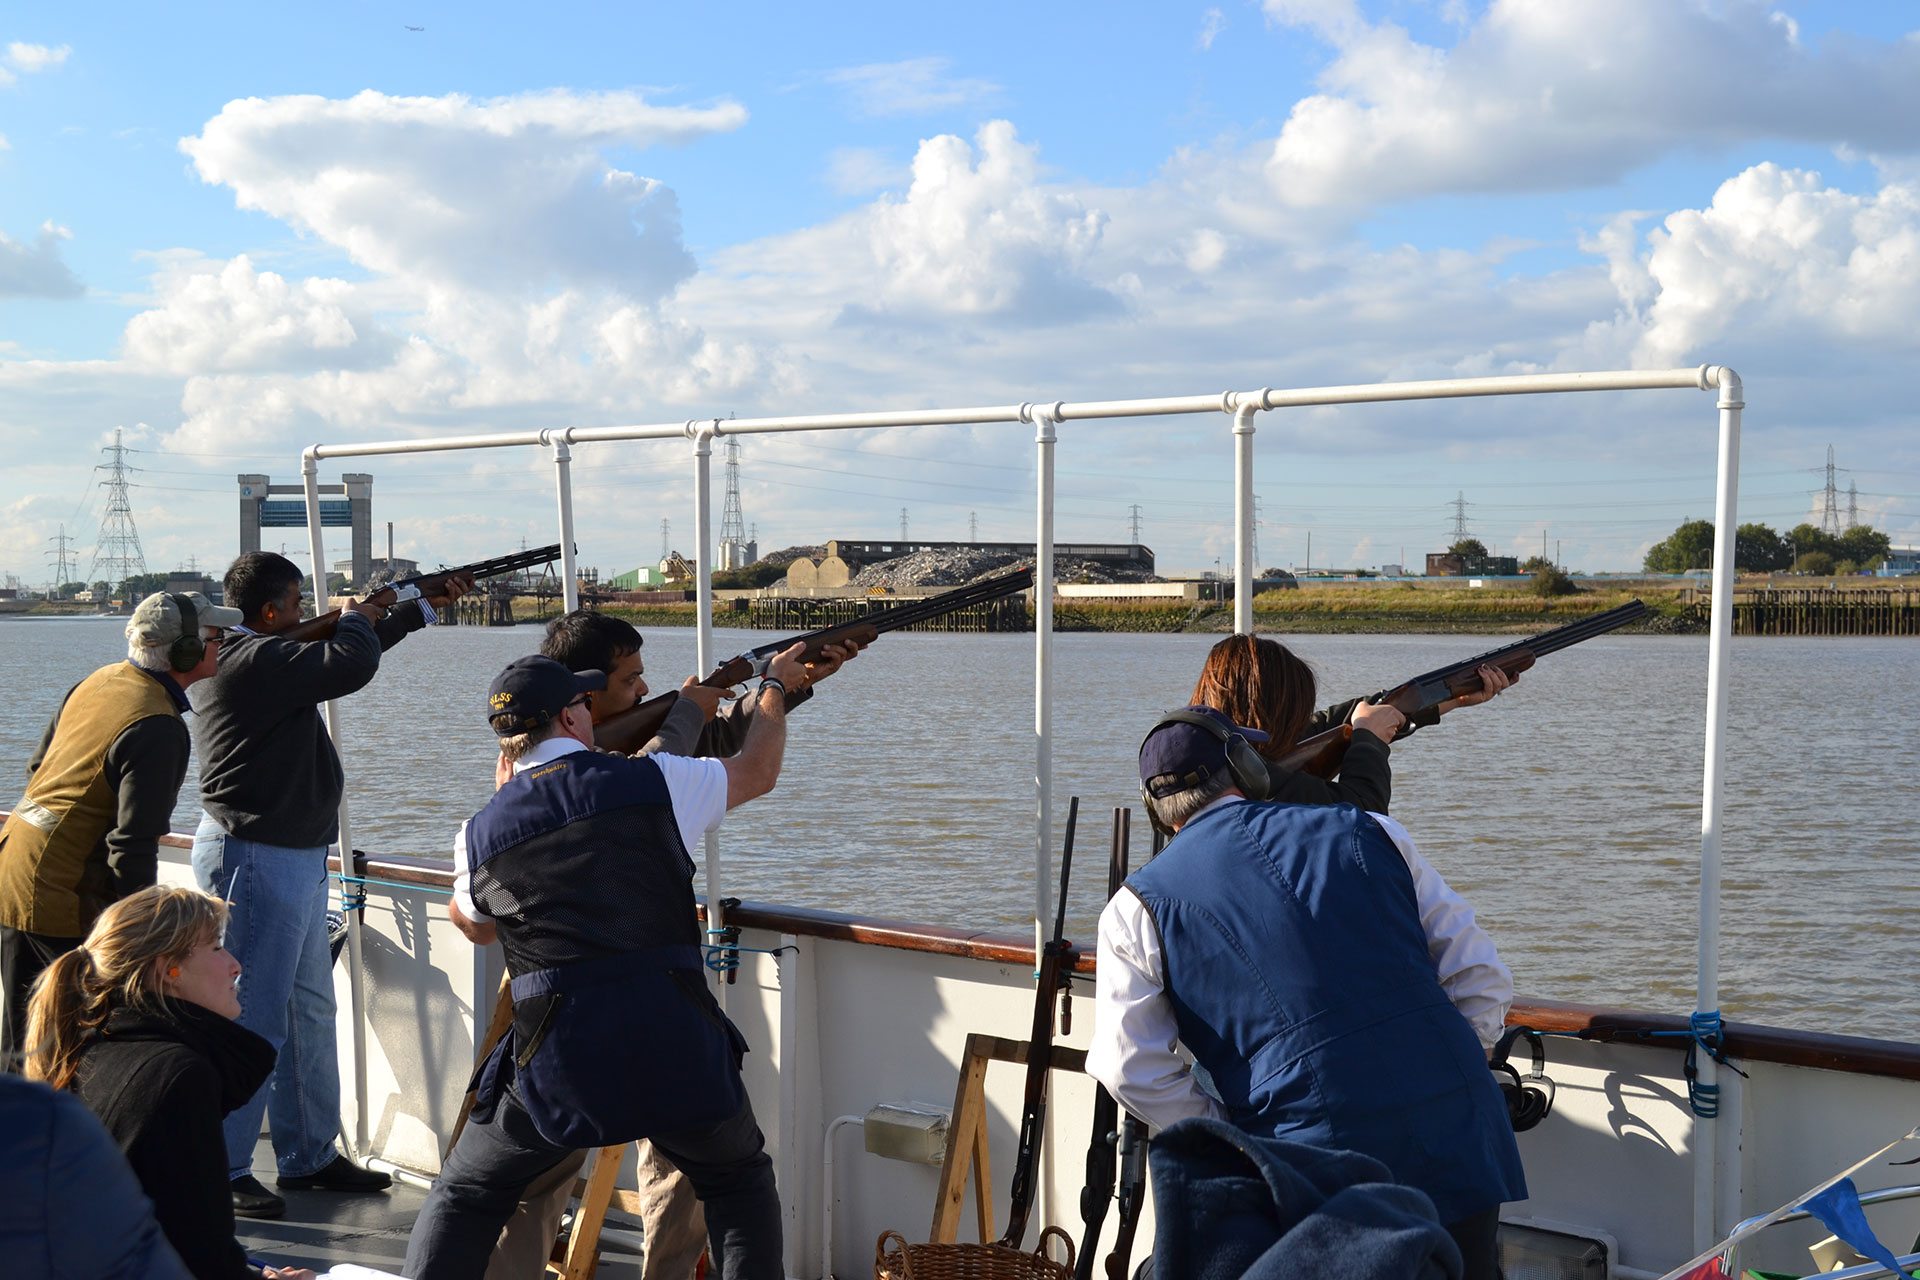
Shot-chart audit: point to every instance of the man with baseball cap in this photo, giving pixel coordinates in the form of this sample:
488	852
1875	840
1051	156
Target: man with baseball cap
1327	984
100	793
580	865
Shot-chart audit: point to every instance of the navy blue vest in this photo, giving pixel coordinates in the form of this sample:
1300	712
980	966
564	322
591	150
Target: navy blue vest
1299	977
615	1034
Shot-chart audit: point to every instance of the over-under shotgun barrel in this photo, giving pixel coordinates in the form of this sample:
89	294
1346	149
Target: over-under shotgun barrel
427	584
1322	754
633	728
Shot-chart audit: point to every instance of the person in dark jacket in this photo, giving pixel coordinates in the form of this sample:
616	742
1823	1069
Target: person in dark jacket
1260	683
69	1207
138	1021
270	782
100	793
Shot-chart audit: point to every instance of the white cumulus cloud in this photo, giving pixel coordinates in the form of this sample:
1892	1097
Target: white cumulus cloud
510	194
1776	258
978	232
230	317
36	270
1550	94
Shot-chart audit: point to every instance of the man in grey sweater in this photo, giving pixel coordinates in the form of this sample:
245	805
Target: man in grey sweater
270	782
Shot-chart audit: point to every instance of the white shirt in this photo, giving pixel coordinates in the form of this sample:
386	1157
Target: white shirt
697	788
1135	1047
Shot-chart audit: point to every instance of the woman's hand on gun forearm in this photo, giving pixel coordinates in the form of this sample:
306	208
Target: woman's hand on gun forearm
1492	681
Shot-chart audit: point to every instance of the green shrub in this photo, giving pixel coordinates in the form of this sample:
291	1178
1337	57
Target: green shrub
1550	581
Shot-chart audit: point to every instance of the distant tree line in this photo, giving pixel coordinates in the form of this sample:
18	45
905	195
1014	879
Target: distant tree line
1758	549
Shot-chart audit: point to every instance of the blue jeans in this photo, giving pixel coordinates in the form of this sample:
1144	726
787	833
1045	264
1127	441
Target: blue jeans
277	930
483	1177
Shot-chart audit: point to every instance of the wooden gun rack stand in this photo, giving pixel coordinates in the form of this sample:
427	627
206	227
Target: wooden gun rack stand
967	1135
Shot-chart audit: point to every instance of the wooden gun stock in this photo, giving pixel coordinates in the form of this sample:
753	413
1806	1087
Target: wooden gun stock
631	730
1322	754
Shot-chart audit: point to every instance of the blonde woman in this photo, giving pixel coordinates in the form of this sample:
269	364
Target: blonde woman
138	1021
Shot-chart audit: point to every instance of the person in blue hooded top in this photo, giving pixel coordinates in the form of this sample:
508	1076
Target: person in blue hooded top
1326	985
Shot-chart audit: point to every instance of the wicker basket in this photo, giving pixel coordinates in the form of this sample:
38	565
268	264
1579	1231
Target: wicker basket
895	1259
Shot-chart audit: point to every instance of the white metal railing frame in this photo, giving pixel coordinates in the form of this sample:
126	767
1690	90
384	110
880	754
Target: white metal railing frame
1709	1208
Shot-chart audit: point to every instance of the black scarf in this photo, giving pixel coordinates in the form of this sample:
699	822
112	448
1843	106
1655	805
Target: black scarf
242	1059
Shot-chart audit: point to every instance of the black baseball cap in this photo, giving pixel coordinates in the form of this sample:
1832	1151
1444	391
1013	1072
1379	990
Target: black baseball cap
1178	755
532	692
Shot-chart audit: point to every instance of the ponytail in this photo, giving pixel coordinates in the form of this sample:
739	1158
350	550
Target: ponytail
67	1008
118	966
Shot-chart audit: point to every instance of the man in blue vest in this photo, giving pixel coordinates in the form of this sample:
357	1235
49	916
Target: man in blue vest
580	866
1327	985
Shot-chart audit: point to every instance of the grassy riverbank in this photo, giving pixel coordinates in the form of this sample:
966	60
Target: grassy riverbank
1401	608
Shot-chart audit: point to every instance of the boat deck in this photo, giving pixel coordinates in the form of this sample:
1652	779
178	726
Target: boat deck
325	1229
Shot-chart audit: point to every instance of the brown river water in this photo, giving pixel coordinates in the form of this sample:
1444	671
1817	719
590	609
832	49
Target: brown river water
1568	810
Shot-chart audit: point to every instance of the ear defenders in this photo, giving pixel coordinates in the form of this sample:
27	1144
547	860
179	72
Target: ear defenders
185	653
1529	1098
1244	764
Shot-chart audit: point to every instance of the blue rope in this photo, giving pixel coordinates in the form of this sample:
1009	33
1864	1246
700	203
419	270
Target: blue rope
724	957
363	881
1704	1032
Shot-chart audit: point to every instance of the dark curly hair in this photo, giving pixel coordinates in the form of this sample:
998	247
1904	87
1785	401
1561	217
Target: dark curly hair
587	641
257	579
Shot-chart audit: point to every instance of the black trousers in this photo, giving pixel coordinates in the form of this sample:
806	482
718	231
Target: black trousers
1479	1240
23	957
492	1164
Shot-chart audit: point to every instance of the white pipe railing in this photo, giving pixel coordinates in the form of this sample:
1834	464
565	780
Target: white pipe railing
1044	438
1706	1215
1243	567
1241	405
356	967
563	490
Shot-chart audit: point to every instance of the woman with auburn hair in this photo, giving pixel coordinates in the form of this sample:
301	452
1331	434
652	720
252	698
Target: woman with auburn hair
138	1021
1261	684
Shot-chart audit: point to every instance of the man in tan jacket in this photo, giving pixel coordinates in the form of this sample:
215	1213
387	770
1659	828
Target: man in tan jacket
100	793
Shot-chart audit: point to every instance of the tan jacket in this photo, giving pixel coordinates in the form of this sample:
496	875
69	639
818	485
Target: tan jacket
54	872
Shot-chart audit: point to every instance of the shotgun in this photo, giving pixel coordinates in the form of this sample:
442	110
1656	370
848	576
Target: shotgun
1130	1151
1103	1146
1322	753
429	585
1054	979
631	729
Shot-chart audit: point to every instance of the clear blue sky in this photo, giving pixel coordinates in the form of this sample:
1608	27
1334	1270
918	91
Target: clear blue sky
233	230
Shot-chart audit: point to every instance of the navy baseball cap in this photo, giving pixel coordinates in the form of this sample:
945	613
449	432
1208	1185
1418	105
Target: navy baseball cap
532	692
1179	755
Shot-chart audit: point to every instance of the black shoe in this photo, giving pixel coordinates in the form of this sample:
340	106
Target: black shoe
341	1175
251	1200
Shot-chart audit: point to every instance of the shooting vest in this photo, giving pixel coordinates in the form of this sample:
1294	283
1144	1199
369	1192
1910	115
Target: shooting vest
53	866
615	1034
1299	977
